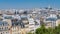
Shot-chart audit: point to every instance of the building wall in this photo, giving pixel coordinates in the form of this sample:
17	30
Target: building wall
57	22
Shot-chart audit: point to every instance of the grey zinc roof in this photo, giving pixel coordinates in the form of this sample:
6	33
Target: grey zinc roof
51	19
3	23
18	23
8	17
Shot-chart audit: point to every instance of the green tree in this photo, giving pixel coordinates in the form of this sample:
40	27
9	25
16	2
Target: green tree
30	33
57	29
41	30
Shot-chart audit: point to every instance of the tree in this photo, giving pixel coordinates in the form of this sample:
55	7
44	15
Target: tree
41	30
29	33
57	29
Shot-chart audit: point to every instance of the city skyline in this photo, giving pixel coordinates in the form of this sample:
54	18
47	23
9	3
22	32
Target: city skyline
19	4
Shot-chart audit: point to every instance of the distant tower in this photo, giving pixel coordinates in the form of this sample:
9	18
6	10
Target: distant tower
16	12
49	6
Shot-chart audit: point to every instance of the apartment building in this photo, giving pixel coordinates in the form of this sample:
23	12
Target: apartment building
57	22
51	20
4	27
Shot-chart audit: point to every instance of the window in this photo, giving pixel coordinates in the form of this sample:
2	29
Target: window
18	33
6	27
0	28
7	32
1	33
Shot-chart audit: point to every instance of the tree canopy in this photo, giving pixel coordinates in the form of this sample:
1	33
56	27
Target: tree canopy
43	30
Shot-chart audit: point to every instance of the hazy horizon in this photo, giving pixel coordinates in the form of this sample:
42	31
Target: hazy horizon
23	4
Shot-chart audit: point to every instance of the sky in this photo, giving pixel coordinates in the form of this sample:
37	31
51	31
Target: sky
19	4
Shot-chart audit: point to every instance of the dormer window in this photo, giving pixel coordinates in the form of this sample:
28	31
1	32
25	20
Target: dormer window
2	28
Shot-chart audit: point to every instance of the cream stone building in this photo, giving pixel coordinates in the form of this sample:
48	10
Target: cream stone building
57	22
4	27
